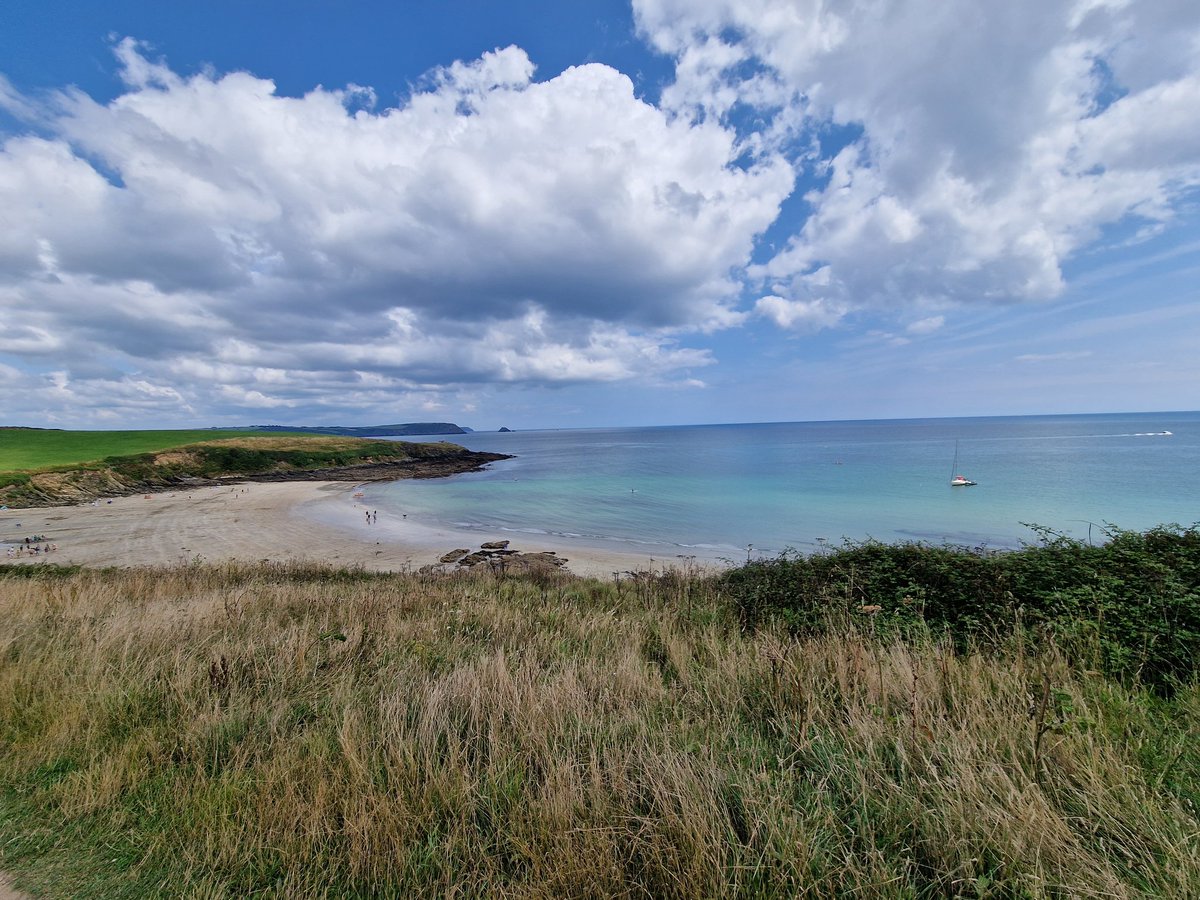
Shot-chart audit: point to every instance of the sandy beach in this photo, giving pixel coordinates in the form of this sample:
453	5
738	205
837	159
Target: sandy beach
8	892
290	521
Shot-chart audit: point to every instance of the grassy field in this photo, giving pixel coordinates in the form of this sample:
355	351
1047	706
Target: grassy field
285	732
181	457
31	449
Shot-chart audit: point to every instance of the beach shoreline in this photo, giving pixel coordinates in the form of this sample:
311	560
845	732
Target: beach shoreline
293	521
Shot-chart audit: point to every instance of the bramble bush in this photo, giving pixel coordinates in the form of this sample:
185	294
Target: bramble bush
1129	607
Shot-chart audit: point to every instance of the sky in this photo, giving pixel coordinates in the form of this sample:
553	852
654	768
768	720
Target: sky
558	215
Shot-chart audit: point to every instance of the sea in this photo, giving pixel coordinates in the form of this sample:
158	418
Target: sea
756	490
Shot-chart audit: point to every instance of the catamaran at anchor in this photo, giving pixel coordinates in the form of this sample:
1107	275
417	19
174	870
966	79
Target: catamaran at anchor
957	480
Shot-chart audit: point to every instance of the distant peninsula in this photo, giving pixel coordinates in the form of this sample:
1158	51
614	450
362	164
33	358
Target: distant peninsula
78	467
408	428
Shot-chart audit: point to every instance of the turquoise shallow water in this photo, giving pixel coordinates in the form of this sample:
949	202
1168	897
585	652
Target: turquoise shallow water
713	489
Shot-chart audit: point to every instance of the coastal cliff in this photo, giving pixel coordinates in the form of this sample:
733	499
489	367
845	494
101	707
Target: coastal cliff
239	460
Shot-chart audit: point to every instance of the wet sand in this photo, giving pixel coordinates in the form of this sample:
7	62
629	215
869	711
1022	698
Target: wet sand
291	521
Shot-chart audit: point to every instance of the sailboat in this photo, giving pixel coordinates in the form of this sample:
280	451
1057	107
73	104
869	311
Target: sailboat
957	480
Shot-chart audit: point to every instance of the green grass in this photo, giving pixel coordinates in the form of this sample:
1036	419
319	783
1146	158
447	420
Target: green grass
28	449
179	456
286	731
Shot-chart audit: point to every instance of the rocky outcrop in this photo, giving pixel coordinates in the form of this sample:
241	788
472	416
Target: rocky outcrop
495	556
428	467
59	488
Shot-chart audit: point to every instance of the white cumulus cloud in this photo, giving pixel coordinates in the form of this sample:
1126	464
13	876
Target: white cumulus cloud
205	245
958	151
246	250
809	315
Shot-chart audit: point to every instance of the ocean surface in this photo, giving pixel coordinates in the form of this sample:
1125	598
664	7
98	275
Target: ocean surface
713	490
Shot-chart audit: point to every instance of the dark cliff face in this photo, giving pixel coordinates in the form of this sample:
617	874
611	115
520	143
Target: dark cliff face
431	467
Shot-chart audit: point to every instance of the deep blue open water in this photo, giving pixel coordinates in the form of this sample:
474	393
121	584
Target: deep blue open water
713	489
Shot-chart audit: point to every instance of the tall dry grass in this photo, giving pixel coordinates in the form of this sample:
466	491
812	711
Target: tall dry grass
290	732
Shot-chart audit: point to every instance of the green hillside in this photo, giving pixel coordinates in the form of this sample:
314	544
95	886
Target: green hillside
30	449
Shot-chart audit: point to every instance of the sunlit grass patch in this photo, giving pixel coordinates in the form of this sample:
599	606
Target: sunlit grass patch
31	449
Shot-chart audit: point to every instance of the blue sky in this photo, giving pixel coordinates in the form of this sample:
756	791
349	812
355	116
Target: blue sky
596	213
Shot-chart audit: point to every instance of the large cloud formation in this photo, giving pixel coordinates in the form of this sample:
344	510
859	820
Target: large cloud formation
987	142
205	243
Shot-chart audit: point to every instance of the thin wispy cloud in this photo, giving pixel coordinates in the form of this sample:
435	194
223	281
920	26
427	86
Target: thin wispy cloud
926	326
1053	357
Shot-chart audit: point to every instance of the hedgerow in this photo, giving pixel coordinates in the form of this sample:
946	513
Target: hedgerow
1129	607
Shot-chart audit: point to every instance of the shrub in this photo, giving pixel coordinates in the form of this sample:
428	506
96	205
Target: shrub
1130	607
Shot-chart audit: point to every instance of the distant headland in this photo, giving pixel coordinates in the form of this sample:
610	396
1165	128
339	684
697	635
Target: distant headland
408	428
51	468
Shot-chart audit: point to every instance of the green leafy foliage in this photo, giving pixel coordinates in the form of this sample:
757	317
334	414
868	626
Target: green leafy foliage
213	460
1129	607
